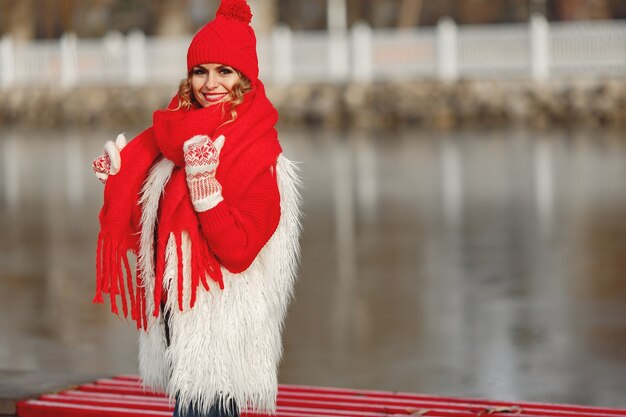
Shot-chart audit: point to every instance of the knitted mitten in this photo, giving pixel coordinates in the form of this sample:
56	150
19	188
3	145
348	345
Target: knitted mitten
202	157
109	162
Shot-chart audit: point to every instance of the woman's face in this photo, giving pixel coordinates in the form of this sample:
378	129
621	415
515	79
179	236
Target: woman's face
213	83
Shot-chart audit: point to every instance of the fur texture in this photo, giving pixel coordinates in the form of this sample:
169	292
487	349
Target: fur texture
228	346
152	344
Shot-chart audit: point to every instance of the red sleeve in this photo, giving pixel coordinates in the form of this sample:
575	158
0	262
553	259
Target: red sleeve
236	235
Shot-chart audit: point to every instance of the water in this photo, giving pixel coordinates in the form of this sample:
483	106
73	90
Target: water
472	263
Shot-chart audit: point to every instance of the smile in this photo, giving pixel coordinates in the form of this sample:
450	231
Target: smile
212	98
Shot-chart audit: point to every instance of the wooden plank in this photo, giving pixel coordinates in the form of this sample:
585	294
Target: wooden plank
133	381
381	401
108	402
37	408
123	396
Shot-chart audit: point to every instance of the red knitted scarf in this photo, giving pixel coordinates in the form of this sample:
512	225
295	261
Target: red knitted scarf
251	147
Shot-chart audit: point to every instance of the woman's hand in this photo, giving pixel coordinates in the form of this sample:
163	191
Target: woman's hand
202	156
109	162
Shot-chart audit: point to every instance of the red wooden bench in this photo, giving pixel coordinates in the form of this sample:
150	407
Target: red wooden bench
123	397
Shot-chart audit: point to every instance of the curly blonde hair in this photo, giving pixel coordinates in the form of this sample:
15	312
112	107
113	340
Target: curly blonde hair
186	97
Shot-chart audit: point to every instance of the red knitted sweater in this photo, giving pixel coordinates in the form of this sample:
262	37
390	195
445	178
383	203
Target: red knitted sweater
237	232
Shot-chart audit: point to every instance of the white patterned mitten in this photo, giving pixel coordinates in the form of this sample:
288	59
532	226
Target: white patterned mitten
202	156
109	162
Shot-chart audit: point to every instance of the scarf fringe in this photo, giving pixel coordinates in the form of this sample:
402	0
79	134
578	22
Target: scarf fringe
194	266
112	267
181	278
114	277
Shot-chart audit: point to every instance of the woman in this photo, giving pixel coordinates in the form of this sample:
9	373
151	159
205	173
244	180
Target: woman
209	205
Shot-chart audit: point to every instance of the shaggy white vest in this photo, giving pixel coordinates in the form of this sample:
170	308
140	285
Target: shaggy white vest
228	346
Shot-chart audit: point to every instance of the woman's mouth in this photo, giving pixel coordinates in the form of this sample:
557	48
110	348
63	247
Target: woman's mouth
214	97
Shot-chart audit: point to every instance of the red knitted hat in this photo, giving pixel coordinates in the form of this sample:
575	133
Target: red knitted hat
228	39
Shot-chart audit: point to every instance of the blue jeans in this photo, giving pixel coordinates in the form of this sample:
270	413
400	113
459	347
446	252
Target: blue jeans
215	411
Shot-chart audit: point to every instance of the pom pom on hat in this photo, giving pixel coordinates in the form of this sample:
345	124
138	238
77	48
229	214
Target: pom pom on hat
228	39
235	9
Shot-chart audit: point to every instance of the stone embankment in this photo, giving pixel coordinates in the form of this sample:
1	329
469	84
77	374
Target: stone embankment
567	103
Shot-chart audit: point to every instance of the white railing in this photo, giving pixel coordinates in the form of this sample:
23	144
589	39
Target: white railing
537	50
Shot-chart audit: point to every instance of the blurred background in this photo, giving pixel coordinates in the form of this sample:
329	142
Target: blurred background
464	167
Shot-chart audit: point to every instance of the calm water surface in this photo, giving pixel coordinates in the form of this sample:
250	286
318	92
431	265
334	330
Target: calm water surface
473	263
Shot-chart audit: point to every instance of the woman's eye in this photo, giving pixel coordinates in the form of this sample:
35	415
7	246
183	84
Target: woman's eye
226	71
199	72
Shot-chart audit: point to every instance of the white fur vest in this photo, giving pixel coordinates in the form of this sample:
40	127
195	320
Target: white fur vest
228	346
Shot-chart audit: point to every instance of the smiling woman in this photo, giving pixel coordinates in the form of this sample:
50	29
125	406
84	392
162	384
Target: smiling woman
213	83
209	205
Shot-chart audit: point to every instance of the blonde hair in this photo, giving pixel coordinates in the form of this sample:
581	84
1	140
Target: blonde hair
186	97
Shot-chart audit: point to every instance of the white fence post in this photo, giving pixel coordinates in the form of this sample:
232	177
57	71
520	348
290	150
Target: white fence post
447	49
69	60
539	47
281	54
136	47
339	55
115	50
7	62
362	63
10	166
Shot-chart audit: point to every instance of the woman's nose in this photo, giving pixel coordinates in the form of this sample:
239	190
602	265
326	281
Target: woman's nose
211	80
